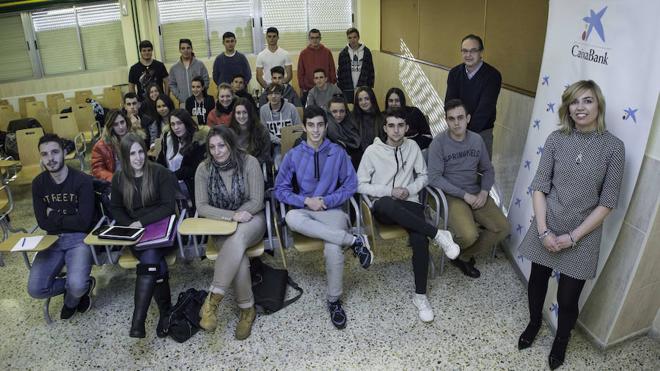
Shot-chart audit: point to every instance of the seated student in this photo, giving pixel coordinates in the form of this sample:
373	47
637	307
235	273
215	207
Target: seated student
221	115
322	91
229	186
460	166
199	104
322	174
148	106
288	93
63	202
105	153
367	116
239	89
135	112
394	172
252	137
342	129
418	127
275	115
182	150
142	194
164	108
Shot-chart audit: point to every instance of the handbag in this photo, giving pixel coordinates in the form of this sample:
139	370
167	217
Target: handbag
269	287
184	317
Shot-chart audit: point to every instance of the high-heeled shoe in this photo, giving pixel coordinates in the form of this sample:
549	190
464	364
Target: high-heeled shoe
558	352
527	337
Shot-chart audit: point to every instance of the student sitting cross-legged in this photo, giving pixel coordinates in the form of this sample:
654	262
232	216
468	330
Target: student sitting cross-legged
63	201
229	185
394	172
316	178
460	166
143	193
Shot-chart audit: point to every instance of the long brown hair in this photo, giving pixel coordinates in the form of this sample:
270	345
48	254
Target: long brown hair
108	134
191	128
231	141
256	131
127	174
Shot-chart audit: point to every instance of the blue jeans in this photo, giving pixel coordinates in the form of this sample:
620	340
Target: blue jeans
70	250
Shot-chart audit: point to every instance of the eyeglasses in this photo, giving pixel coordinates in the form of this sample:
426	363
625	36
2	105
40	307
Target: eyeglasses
470	51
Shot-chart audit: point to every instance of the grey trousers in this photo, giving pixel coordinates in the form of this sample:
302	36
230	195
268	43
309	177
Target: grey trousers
331	226
487	136
232	265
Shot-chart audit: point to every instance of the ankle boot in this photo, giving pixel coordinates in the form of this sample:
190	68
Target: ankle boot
558	352
144	289
162	296
244	326
527	337
208	313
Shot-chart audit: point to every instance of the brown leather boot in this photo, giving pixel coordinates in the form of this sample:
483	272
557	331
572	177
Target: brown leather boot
209	312
244	326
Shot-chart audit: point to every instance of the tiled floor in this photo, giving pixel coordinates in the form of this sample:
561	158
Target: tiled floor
476	327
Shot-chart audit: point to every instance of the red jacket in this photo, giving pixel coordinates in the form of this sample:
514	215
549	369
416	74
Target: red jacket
103	161
313	59
213	120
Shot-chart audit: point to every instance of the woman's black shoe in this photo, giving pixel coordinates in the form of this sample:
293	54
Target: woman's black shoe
558	352
527	337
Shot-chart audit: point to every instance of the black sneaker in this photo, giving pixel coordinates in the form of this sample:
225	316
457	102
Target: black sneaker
362	251
67	312
337	314
86	300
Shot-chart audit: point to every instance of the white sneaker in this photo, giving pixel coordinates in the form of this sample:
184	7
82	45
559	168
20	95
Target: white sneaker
444	240
424	307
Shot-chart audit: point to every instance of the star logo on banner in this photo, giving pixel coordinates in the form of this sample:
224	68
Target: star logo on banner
556	275
546	80
630	114
528	165
531	219
529	190
554	308
539	150
521	258
519	229
517	202
594	22
537	124
566	86
551	107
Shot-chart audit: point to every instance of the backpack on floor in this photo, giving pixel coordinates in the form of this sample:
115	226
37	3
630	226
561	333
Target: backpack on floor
184	317
269	287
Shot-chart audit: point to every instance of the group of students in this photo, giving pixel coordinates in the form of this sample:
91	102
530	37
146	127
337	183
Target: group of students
388	156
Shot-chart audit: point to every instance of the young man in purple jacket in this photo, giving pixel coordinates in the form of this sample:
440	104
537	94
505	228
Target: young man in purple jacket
316	178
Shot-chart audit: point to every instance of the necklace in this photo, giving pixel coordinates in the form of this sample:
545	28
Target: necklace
578	159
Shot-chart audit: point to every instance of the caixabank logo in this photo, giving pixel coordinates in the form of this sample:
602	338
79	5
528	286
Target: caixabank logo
592	48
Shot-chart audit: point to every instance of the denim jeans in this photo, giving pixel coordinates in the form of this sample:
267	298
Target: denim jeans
69	250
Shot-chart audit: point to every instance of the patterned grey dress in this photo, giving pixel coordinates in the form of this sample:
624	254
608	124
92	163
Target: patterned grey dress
577	172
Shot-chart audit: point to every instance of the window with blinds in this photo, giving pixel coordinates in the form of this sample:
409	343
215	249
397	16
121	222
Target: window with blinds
14	59
204	22
79	38
294	19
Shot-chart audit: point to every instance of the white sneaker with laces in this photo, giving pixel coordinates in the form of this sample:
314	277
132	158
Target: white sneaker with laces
424	307
444	240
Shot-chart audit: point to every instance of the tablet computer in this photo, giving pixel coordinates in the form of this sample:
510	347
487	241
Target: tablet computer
122	233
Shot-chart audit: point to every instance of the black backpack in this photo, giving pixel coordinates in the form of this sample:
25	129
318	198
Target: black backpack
269	287
184	317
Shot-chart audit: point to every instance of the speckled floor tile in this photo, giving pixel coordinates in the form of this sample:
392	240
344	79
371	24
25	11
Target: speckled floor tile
476	326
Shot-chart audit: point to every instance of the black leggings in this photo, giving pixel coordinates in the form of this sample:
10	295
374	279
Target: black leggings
410	216
568	294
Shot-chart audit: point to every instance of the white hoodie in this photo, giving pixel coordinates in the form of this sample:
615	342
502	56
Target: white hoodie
356	63
384	167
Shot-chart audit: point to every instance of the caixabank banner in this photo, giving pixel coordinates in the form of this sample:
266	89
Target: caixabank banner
615	43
